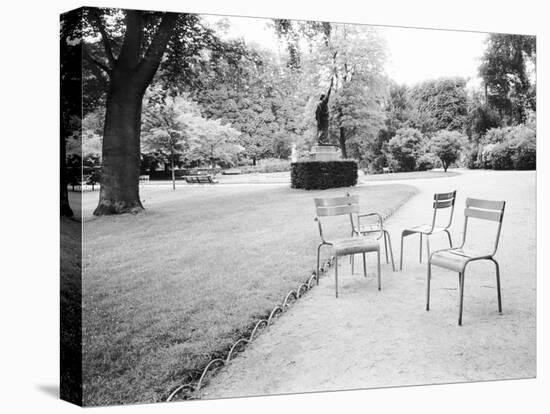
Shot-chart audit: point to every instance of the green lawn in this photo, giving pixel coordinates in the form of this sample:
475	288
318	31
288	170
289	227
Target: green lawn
413	175
165	290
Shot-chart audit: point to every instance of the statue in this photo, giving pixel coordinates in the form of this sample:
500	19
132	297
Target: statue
322	117
294	154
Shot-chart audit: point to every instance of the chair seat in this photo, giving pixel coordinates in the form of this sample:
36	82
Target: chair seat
368	228
455	259
424	229
354	245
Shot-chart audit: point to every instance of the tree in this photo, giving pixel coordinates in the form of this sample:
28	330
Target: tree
70	102
247	88
163	132
508	70
214	141
439	104
405	148
447	146
481	118
123	50
354	56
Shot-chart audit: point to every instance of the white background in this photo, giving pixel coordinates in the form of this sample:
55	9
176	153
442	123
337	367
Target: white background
29	255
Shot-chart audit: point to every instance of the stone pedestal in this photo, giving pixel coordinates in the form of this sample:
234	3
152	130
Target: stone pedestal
324	153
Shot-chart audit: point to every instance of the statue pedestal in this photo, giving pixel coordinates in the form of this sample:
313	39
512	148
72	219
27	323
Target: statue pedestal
324	153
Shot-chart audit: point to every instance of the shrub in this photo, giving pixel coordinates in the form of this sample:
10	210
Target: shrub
525	157
426	162
446	145
405	147
496	135
320	175
485	156
472	159
508	148
501	156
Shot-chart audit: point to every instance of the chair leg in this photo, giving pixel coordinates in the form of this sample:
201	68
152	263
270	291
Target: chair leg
391	250
318	264
428	246
498	285
336	274
420	248
379	278
386	246
461	295
428	285
352	263
401	256
364	265
449	237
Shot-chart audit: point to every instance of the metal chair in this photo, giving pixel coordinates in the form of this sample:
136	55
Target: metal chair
441	201
339	206
457	258
364	230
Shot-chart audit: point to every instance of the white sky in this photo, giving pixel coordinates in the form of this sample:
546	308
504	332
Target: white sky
414	55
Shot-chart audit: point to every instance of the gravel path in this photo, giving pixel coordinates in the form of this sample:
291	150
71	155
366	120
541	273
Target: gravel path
367	338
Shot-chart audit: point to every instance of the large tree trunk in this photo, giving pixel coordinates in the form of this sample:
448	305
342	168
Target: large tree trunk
121	148
342	139
65	206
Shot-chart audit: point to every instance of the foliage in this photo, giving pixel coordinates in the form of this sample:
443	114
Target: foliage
426	162
447	145
525	157
507	68
258	98
354	56
439	104
481	118
472	158
397	109
405	148
175	133
163	134
506	148
320	175
501	156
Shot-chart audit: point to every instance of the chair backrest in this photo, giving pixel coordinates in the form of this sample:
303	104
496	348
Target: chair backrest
444	201
336	206
484	210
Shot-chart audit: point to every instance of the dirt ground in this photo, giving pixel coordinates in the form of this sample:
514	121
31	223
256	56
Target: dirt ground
368	338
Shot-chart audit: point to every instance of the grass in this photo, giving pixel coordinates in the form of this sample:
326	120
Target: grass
413	175
70	309
165	290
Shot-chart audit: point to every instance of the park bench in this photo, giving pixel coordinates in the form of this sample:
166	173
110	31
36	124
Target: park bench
387	170
200	179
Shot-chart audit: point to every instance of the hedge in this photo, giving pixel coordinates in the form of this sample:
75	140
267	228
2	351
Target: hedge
320	175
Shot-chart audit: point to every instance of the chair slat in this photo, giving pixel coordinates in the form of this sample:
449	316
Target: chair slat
337	210
486	204
336	201
445	196
444	204
483	214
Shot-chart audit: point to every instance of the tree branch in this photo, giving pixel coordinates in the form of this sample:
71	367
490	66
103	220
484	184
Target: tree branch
104	38
130	50
96	64
151	61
